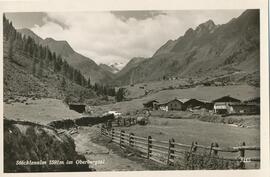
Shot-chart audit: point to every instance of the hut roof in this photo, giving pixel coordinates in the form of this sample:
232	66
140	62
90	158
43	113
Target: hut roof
183	100
151	101
253	100
198	100
226	99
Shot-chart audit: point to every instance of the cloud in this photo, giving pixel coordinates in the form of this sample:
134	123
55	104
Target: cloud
107	38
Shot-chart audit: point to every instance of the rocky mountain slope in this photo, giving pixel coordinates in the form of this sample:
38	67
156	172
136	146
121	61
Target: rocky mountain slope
128	69
118	65
209	51
109	68
87	66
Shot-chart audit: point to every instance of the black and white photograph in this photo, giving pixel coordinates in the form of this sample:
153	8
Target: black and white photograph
132	90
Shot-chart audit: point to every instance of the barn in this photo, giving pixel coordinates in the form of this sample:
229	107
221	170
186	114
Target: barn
226	99
244	108
150	104
256	100
162	107
80	108
221	105
198	104
177	105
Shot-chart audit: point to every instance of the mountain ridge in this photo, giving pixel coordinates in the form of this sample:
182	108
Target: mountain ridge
109	68
34	71
87	66
209	50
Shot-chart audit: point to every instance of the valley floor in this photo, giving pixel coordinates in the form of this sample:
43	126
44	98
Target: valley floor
46	110
242	92
89	144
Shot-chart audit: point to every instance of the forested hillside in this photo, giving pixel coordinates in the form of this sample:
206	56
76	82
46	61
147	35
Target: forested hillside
87	67
33	70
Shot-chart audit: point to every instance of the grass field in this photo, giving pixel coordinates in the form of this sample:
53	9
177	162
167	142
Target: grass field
137	90
188	130
163	86
182	130
41	111
242	92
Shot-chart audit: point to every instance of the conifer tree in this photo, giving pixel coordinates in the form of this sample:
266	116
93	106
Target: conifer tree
120	95
40	71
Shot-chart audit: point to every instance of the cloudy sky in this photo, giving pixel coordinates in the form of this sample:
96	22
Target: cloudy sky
117	36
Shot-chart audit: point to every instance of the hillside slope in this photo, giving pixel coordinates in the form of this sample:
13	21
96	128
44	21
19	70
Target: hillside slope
109	68
205	52
27	141
127	70
27	72
87	66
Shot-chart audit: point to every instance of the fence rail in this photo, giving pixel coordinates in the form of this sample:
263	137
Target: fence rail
122	122
173	153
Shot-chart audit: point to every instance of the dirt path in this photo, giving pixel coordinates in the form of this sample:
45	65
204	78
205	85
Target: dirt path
94	152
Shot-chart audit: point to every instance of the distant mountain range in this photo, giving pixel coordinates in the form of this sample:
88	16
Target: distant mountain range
127	70
205	52
87	66
109	68
208	51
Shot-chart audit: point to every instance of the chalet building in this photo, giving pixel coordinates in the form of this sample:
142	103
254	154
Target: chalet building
222	105
256	100
184	104
198	104
173	105
163	107
177	105
150	104
80	108
244	108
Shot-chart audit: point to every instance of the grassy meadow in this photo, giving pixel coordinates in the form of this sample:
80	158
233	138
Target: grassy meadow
187	131
242	92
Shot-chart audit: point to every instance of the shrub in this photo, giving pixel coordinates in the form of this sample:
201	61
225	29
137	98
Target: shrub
200	161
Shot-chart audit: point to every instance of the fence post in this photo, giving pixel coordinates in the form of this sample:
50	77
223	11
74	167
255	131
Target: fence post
172	147
149	143
169	152
118	122
112	134
242	156
211	148
191	148
216	151
131	139
121	139
110	124
124	122
195	147
172	151
190	156
131	121
101	129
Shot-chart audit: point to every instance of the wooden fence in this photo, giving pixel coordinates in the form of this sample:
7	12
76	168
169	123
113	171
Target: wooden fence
184	156
122	122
